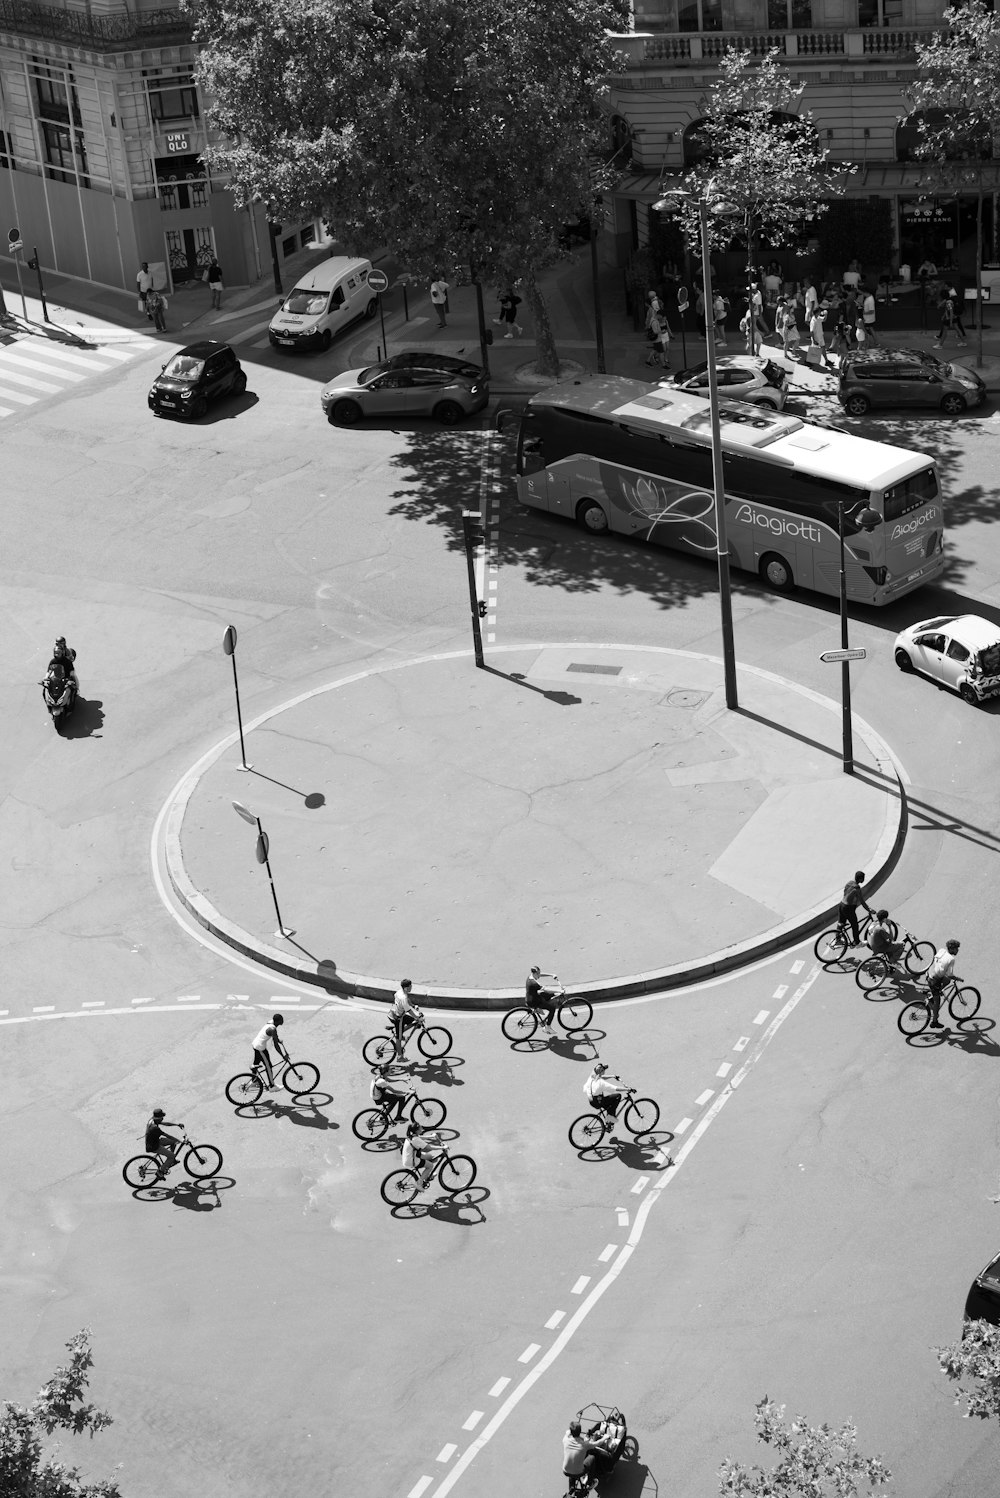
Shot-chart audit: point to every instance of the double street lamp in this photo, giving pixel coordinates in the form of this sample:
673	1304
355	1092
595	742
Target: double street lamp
867	520
718	209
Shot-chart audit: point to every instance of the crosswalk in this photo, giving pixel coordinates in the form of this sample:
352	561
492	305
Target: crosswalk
34	369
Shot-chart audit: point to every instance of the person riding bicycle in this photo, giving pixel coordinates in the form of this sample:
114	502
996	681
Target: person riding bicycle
578	1452
543	999
421	1152
261	1055
940	972
880	938
603	1090
847	915
384	1095
159	1143
403	1012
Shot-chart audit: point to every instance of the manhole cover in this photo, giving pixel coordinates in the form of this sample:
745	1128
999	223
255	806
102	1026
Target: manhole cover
597	670
684	697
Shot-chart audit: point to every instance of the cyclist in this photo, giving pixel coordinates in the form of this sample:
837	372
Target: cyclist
159	1142
603	1091
403	1012
422	1149
880	939
940	972
261	1055
847	915
537	997
578	1453
385	1095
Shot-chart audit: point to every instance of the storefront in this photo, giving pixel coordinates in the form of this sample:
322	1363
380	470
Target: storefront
943	230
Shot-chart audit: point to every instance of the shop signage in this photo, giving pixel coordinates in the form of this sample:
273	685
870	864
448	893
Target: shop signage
178	143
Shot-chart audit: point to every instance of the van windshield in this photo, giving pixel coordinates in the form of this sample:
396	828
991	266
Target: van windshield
305	303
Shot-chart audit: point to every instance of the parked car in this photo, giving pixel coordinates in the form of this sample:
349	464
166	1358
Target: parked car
906	377
983	1300
195	375
960	651
416	390
418	359
740	377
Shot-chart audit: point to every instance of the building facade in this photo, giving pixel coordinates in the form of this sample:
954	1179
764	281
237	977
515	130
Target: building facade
101	133
854	59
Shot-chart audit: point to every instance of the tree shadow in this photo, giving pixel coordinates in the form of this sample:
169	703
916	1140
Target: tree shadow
85	721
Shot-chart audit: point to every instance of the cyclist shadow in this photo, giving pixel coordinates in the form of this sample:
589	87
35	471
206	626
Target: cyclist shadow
965	1035
437	1071
647	1152
569	1046
195	1196
303	1110
463	1209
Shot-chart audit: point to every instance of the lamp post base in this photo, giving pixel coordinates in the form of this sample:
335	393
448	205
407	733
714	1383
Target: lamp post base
244	768
286	932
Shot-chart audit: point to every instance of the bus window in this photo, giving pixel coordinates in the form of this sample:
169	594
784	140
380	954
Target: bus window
913	492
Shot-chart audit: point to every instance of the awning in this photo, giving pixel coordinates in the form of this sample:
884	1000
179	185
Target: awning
644	186
919	177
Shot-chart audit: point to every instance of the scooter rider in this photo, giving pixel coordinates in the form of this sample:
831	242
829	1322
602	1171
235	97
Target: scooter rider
63	656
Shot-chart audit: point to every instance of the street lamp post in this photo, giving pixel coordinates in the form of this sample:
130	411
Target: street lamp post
867	519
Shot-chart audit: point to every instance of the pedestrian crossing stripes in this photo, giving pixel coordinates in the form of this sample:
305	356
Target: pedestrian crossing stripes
34	368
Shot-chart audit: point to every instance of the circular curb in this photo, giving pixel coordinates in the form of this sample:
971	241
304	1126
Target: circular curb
332	980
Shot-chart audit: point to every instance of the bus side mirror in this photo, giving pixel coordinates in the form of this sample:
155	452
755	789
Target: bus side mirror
503	418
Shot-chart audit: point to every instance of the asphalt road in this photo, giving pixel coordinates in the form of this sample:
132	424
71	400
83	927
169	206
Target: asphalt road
813	1239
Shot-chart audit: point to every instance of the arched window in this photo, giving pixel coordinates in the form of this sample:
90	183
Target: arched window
972	145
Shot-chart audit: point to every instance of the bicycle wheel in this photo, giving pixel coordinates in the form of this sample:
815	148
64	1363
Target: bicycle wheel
141	1170
434	1041
831	946
399	1188
244	1089
379	1049
919	958
370	1123
575	1015
641	1115
457	1173
964	1003
914	1017
203	1160
301	1077
871	973
519	1024
428	1112
586	1131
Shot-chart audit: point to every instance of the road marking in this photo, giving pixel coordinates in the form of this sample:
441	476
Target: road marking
580	1285
761	1017
797	966
92	1004
780	991
529	1352
447	1452
640	1185
144	1001
251	332
499	1387
552	1323
622	1216
605	1255
420	1487
20	362
20	400
703	1097
30	381
63	355
580	1314
231	998
683	1126
43	1009
189	998
4	1012
742	1043
473	1420
724	1069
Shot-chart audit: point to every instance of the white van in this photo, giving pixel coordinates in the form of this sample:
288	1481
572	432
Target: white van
333	294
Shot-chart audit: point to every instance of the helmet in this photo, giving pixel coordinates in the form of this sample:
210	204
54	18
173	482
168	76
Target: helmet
158	1113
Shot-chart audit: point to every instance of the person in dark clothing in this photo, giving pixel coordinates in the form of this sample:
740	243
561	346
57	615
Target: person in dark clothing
847	915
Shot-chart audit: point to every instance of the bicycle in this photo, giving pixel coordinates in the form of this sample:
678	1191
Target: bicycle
373	1123
574	1015
200	1161
916	957
454	1173
963	1004
830	946
297	1077
433	1041
640	1116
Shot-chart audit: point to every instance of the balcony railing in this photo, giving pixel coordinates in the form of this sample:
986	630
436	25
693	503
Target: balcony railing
686	47
104	33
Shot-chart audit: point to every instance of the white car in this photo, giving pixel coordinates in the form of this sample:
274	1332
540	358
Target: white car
962	651
740	377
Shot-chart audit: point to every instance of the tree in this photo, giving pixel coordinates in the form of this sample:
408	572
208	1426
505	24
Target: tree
956	99
25	1472
759	156
456	132
812	1461
975	1360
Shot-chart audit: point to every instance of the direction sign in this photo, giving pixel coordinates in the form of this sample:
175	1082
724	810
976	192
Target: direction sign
682	298
14	240
843	655
378	280
245	813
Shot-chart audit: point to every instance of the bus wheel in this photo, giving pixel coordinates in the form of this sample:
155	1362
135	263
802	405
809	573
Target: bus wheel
590	515
776	572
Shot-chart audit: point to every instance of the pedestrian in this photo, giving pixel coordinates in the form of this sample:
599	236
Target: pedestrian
852	275
860	332
789	328
156	307
214	278
757	302
843	335
654	309
810	299
868	313
719	313
748	327
143	282
509	303
817	337
957	304
772	283
847	914
439	298
658	334
946	315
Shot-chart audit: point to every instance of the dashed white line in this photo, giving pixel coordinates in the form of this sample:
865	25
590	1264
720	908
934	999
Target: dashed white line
4	1013
780	991
473	1420
759	1019
797	966
420	1487
43	1008
231	998
622	1215
499	1387
683	1126
447	1452
703	1097
144	1001
189	998
742	1043
724	1069
92	1004
552	1323
640	1185
580	1285
607	1253
529	1352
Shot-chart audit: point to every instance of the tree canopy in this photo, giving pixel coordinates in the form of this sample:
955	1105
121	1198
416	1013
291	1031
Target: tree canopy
26	1471
813	1461
973	1362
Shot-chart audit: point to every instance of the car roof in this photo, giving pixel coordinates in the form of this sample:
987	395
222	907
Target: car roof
425	359
202	350
968	629
889	356
726	361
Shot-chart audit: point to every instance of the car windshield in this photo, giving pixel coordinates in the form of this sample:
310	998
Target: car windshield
305	303
184	367
372	373
913	492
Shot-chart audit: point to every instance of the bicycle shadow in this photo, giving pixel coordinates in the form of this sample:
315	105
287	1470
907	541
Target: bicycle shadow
436	1070
460	1210
195	1196
970	1035
647	1152
302	1110
559	1045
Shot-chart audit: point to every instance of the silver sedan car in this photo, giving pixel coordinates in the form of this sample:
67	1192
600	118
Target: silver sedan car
415	390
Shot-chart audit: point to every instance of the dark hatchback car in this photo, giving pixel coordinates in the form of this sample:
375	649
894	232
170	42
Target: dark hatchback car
906	377
196	375
983	1300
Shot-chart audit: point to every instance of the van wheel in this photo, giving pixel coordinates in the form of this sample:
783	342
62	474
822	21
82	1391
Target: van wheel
591	516
776	572
326	340
371	309
953	405
968	695
448	412
857	404
345	413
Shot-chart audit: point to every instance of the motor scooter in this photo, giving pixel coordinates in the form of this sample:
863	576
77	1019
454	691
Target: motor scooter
59	696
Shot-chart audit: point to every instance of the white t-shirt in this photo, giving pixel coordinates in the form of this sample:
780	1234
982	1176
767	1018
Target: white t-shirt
401	1004
603	1086
943	965
852	278
810	298
260	1040
439	292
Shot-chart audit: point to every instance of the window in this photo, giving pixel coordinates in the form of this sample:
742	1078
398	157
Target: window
909	495
64	163
699	15
288	246
880	12
789	15
57	109
173	97
931	642
7	152
956	652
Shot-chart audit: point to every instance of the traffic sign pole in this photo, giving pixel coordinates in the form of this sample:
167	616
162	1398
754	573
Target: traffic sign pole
378	282
15	244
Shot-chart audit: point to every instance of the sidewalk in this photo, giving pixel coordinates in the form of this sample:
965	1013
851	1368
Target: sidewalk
594	809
